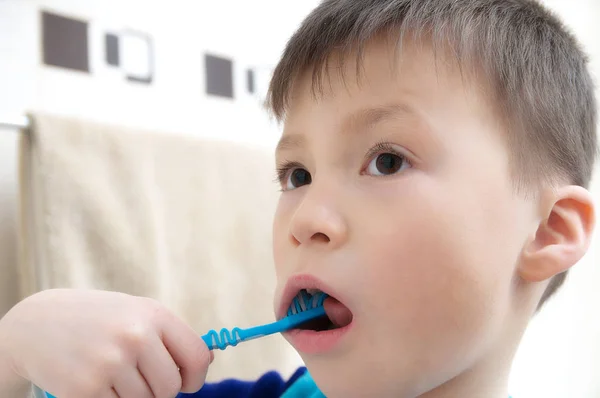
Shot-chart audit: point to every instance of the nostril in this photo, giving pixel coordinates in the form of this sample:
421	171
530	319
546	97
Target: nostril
320	237
294	240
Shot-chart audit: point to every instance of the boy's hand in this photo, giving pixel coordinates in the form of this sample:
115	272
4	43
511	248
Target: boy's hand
76	343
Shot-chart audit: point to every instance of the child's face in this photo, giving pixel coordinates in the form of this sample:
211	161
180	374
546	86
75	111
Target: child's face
403	205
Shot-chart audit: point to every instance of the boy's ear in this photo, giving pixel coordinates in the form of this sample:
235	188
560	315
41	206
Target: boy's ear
562	238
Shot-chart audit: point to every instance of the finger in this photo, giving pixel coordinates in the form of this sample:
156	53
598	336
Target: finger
189	351
159	369
130	383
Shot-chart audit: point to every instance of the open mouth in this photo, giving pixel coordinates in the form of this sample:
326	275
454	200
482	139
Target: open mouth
337	315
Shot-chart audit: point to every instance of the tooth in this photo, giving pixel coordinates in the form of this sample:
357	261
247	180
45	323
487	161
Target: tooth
312	292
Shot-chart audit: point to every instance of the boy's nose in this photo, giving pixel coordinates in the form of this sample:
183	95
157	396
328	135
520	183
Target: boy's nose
318	222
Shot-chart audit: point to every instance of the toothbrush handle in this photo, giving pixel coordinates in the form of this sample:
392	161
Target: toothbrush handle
226	338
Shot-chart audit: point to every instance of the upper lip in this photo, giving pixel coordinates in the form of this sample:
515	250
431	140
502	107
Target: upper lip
297	283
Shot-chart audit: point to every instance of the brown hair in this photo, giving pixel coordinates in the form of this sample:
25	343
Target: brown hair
535	68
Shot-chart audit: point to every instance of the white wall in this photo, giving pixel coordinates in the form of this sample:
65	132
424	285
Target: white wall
560	355
182	31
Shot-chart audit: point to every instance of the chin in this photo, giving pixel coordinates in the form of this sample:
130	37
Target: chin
349	378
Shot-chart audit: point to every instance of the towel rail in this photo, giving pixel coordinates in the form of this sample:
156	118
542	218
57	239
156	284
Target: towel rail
17	124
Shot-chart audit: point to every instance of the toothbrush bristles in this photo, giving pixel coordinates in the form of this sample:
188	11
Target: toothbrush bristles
305	301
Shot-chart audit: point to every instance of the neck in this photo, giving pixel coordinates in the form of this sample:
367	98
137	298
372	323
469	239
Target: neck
489	376
488	379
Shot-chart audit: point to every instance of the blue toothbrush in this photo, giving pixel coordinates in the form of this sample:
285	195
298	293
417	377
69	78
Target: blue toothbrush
304	307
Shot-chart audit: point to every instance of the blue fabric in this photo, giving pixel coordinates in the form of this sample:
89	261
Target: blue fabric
304	387
270	385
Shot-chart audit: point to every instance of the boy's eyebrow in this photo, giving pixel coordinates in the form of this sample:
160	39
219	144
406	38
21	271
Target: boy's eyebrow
369	117
358	121
289	141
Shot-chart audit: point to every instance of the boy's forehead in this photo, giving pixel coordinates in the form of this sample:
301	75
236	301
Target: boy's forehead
383	82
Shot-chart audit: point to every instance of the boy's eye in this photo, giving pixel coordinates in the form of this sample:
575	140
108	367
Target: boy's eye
298	178
386	164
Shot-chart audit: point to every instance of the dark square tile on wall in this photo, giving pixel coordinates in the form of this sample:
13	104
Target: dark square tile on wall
111	44
219	76
250	85
65	42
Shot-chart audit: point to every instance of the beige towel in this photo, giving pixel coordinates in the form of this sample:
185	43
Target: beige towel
9	292
181	220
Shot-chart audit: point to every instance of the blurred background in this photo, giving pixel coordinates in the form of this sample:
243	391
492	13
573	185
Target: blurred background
201	69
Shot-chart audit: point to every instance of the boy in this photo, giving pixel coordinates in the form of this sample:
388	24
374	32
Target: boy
434	165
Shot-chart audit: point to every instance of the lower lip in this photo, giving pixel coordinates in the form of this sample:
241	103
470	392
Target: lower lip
312	342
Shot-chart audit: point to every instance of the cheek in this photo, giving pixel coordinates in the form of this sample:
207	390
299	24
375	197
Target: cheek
281	225
436	264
